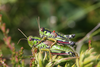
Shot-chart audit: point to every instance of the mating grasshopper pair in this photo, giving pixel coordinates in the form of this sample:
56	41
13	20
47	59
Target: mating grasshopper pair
52	42
49	44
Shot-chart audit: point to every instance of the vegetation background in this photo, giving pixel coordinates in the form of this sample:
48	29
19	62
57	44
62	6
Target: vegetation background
65	16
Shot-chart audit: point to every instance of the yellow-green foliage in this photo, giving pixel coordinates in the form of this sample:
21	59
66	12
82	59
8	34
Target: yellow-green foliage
89	58
43	60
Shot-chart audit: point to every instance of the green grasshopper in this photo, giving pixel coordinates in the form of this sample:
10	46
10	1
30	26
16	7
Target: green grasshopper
45	45
64	39
49	33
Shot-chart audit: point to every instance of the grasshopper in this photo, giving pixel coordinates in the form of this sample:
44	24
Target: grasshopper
45	45
64	39
49	33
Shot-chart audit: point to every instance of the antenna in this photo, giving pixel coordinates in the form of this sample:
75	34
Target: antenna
21	39
22	32
38	21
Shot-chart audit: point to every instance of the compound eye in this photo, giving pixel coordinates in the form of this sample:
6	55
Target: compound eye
30	39
42	29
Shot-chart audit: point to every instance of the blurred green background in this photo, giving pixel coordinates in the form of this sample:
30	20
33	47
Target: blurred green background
65	16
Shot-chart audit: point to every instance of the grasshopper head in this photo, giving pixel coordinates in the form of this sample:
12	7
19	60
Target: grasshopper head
44	32
41	31
30	40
